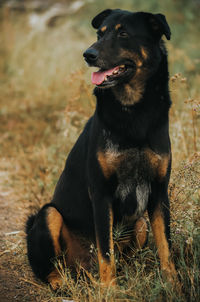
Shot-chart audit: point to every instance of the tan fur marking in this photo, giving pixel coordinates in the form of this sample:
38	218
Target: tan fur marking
162	169
144	53
75	252
133	91
55	279
117	26
140	231
107	275
55	221
153	158
138	235
158	162
133	56
103	29
139	63
109	161
158	229
107	170
107	268
131	94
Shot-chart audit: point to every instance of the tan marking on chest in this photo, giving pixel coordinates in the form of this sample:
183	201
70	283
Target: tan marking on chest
109	162
159	162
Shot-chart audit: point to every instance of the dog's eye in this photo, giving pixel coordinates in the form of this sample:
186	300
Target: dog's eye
123	34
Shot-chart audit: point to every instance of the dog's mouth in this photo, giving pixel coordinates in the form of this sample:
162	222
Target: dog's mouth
111	77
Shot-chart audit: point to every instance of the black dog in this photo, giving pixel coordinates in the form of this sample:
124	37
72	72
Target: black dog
120	164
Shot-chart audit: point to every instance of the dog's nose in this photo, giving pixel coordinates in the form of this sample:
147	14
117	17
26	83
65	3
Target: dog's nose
90	55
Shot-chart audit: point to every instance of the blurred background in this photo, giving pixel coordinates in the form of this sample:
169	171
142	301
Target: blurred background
46	98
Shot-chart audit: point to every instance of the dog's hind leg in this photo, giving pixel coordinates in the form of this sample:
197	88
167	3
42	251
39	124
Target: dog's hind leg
141	230
43	243
48	237
135	235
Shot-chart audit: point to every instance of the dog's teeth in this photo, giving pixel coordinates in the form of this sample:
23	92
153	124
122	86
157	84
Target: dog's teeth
122	66
106	78
115	72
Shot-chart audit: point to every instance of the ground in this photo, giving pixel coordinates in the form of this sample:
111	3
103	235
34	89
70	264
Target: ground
13	283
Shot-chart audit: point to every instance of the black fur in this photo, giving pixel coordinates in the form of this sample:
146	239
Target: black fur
39	245
30	223
128	122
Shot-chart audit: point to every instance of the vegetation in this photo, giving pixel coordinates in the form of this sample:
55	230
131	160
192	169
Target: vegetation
45	100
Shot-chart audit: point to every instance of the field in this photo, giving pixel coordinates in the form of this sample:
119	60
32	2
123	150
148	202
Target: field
45	100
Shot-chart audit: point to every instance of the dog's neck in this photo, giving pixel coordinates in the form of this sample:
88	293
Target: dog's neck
125	109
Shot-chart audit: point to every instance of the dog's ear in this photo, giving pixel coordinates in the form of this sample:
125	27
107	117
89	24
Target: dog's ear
97	21
158	25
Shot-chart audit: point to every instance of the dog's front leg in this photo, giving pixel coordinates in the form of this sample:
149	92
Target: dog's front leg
103	217
159	214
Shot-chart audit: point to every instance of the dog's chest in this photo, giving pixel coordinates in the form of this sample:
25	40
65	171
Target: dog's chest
135	169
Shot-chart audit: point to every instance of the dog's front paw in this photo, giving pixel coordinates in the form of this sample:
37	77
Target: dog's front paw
169	274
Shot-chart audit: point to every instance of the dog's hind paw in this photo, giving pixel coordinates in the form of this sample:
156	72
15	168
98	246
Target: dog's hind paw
55	280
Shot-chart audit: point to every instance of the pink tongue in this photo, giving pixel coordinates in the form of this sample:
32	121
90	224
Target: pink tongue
99	76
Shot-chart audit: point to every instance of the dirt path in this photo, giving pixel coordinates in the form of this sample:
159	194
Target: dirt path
15	274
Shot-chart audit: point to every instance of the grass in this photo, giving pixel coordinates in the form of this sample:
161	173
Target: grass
45	100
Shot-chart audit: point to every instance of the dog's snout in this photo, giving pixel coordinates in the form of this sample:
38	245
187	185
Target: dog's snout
90	55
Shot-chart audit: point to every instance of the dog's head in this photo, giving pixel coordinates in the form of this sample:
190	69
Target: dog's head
127	47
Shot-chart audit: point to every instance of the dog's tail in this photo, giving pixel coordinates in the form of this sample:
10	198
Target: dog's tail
30	222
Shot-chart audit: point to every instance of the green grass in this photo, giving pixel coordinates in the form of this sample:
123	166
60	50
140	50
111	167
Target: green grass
45	100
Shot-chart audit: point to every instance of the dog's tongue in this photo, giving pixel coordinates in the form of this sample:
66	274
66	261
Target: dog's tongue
99	76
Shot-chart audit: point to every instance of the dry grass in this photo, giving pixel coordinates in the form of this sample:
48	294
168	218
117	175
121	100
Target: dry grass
45	100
